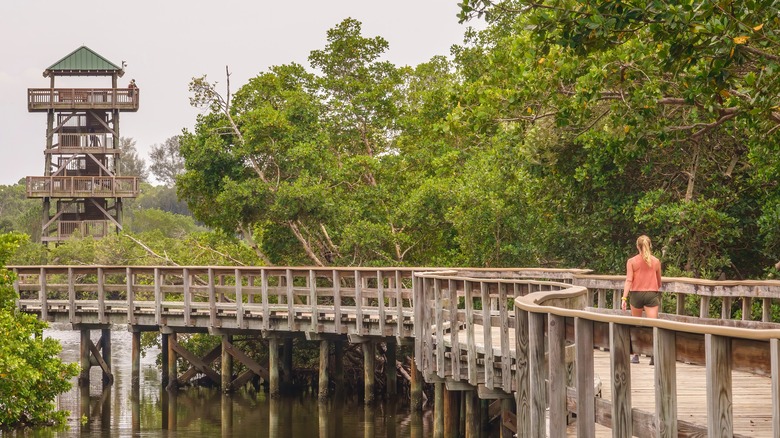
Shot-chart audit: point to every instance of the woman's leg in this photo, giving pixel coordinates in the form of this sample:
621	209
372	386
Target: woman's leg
637	311
651	312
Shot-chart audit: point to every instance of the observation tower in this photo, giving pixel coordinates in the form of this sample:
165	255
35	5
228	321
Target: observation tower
81	186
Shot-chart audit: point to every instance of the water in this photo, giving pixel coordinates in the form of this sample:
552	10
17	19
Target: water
149	411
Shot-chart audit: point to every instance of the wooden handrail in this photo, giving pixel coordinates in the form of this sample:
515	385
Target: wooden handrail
548	315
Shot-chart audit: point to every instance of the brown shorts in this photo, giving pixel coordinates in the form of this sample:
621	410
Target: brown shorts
641	299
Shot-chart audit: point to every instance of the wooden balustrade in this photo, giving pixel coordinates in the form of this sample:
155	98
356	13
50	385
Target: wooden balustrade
360	301
546	317
44	99
748	293
82	186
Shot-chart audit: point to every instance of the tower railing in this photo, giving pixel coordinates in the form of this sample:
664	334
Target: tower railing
44	99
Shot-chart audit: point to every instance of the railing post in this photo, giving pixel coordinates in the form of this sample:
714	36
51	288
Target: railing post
487	331
290	300
438	321
620	370
264	298
187	298
719	396
337	301
583	334
42	295
774	356
130	296
471	347
239	300
157	299
665	355
101	296
558	374
358	303
71	296
399	303
506	357
313	300
523	393
454	329
380	290
536	374
212	301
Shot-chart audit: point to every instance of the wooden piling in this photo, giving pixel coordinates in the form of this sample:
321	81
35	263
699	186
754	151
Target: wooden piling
451	413
226	416
391	373
227	363
338	366
416	390
472	414
172	372
438	410
287	362
273	367
84	355
135	353
105	339
324	361
369	371
164	360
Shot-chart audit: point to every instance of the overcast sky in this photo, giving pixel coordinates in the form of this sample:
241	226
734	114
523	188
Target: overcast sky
165	43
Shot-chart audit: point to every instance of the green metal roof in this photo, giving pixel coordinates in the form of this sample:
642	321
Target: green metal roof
83	61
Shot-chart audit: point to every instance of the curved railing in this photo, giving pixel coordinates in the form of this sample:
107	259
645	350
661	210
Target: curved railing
534	329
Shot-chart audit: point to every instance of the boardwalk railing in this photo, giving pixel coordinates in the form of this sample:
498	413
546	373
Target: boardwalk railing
514	336
507	333
359	301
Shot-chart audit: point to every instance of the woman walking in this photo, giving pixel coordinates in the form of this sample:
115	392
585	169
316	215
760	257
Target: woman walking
643	283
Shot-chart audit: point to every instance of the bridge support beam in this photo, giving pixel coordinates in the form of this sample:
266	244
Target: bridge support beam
369	371
324	361
508	418
91	355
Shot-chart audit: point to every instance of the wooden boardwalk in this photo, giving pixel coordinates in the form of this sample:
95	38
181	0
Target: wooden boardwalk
752	395
539	322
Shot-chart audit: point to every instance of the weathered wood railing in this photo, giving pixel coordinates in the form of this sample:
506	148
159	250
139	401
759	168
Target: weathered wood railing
529	325
82	186
42	99
605	292
360	301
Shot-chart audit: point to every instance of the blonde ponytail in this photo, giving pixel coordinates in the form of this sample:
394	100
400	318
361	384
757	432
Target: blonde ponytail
644	246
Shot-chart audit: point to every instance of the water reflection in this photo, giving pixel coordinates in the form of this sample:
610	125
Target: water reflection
147	410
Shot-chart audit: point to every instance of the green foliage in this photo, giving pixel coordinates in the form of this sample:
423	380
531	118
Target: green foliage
31	373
